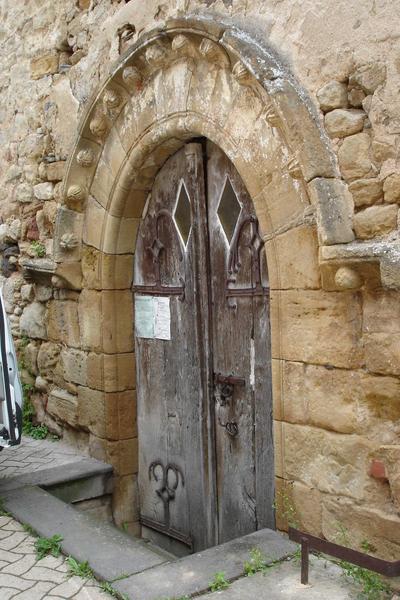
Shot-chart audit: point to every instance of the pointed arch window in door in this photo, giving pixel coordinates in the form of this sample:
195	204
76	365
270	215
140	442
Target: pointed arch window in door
182	214
229	209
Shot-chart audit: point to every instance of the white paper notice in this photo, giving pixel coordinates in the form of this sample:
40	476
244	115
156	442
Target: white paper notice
144	316
152	317
162	324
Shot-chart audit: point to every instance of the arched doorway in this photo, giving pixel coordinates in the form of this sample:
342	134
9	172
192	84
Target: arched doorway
192	78
203	364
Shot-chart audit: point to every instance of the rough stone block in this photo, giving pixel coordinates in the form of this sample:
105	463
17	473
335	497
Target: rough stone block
366	191
24	192
47	358
354	156
55	171
341	123
44	191
334	210
33	321
317	327
368	77
332	95
44	64
64	406
375	220
391	188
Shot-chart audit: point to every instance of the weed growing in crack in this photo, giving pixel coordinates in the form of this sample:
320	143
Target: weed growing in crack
45	546
37	432
219	582
38	249
29	529
373	588
107	587
256	564
80	569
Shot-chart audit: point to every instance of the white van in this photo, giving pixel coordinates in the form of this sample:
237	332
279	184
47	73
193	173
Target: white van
11	397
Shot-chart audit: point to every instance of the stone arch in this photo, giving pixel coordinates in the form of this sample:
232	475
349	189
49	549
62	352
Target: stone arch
190	78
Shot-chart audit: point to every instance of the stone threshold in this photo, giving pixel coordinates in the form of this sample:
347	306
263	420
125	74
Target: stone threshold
192	575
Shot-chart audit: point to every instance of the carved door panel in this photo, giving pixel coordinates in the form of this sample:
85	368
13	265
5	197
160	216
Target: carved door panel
172	368
241	354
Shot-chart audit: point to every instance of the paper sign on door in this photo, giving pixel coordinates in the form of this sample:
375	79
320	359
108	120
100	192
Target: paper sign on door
152	317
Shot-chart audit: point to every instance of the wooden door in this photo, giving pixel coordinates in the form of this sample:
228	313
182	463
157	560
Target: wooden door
202	349
241	354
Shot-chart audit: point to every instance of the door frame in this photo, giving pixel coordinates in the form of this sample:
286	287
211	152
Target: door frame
263	121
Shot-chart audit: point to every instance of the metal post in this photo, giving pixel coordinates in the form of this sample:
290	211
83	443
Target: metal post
304	560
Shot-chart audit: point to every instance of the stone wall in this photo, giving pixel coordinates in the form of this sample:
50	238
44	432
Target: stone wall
334	303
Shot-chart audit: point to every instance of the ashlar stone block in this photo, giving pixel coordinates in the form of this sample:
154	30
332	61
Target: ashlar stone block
317	327
340	466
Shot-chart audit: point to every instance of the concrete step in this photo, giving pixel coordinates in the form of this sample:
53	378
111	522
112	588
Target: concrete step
110	552
193	574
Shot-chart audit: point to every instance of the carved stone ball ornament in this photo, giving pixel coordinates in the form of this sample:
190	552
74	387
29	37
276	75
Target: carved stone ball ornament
132	77
155	55
69	241
212	52
99	126
180	43
347	279
112	98
271	116
241	74
294	169
76	193
85	157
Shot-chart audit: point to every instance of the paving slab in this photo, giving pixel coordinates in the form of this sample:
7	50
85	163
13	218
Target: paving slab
30	578
110	552
282	582
192	574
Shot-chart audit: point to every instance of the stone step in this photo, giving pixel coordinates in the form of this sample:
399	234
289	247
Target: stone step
110	552
81	479
192	575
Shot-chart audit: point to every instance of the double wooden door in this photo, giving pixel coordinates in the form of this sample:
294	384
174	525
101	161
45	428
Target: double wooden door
202	357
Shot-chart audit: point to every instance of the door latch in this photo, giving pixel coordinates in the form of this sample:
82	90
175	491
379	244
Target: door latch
226	387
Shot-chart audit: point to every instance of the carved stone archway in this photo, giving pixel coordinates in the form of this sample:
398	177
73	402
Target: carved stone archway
190	78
